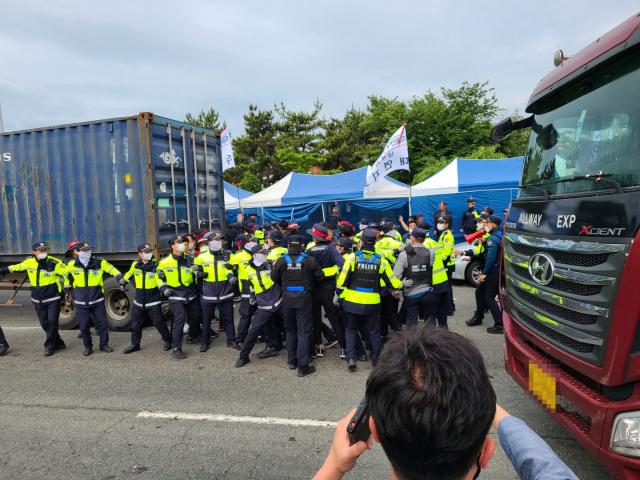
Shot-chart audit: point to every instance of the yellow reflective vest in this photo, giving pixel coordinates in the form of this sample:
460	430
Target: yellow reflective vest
45	276
87	282
216	287
177	274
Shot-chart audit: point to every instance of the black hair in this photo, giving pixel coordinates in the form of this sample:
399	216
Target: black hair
432	403
283	224
326	225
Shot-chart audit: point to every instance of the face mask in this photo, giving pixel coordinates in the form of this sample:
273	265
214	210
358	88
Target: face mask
250	245
259	259
147	256
181	247
42	256
487	229
362	227
215	244
410	230
204	248
84	257
440	226
192	246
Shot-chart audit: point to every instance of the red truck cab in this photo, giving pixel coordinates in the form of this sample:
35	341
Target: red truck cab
571	266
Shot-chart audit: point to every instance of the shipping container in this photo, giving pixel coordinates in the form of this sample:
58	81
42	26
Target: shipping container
114	183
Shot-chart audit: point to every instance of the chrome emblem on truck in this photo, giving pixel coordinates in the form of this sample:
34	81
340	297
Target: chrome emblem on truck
541	268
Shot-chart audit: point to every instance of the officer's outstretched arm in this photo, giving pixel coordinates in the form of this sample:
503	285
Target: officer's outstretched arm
110	269
343	278
389	278
130	273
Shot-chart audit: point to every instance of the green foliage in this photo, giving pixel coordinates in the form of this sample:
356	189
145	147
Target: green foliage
440	126
250	183
210	119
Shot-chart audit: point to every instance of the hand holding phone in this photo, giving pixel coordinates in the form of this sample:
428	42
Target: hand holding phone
358	427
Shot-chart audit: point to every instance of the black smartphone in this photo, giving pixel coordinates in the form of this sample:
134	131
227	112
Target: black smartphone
358	428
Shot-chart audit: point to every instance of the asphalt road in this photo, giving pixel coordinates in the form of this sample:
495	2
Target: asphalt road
71	417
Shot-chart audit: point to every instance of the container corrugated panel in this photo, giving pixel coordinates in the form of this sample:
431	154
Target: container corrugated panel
106	182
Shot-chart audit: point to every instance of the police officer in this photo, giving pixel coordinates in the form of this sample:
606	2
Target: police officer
361	278
295	272
147	302
468	223
490	278
45	275
71	252
275	250
176	280
331	262
392	232
445	244
84	278
362	224
239	261
414	267
217	290
388	246
479	253
267	296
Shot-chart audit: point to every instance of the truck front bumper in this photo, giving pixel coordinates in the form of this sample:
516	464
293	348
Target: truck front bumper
594	436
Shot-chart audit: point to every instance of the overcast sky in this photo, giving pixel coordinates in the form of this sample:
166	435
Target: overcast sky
71	61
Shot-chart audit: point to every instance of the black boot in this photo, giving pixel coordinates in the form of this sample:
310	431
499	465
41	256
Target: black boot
134	347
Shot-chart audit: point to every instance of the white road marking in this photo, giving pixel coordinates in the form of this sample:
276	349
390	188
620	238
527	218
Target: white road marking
21	328
231	418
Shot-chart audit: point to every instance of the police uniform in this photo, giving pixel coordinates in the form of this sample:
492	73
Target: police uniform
469	221
415	267
295	272
364	223
445	244
388	246
331	262
361	278
239	261
176	280
276	251
85	280
489	288
217	292
267	296
478	252
147	302
46	278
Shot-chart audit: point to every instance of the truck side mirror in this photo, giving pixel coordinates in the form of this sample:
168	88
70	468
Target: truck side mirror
502	130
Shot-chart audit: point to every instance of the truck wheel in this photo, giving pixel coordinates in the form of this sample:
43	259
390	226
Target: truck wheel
472	273
68	319
118	305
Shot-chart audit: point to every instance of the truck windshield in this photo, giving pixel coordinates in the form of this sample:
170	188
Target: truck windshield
588	127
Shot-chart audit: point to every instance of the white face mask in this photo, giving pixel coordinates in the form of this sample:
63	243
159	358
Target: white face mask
259	259
42	256
84	256
192	246
250	245
180	247
362	227
440	226
147	256
215	244
204	248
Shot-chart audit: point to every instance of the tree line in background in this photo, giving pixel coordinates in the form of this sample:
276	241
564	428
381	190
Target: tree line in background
440	126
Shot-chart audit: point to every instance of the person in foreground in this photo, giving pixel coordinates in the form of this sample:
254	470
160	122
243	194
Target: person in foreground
431	407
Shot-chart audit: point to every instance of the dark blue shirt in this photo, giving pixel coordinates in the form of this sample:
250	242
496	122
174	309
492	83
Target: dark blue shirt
493	245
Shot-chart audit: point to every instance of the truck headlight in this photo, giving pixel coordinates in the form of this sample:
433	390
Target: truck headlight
625	436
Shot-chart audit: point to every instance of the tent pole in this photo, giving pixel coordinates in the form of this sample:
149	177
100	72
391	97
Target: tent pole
410	185
262	210
323	217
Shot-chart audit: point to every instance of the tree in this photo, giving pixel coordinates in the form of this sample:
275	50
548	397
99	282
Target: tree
250	183
345	142
210	119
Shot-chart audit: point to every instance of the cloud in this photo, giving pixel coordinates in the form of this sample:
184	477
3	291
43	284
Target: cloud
65	62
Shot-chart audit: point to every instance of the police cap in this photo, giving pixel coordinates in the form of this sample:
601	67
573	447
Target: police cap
319	232
293	226
346	243
83	247
214	236
373	225
385	220
495	219
364	221
250	237
267	226
484	217
369	236
443	220
72	245
489	210
419	234
144	248
470	200
387	227
259	249
39	246
295	241
275	235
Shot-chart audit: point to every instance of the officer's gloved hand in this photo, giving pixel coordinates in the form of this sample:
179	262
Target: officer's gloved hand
407	283
336	299
232	280
402	246
202	274
252	300
4	271
167	292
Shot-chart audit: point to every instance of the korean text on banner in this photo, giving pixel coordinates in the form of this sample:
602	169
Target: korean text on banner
395	156
227	151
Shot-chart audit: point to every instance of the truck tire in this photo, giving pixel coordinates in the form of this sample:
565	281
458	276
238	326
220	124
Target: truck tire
118	305
472	273
68	319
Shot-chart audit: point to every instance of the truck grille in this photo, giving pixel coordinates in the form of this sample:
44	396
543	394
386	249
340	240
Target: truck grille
562	285
566	258
558	337
558	311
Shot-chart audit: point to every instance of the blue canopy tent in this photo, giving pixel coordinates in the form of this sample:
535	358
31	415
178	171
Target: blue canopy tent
309	199
491	183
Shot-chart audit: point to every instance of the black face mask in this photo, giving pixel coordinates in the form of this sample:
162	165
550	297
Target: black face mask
479	467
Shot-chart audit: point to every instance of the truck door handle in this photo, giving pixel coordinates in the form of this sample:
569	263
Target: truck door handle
169	222
183	222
